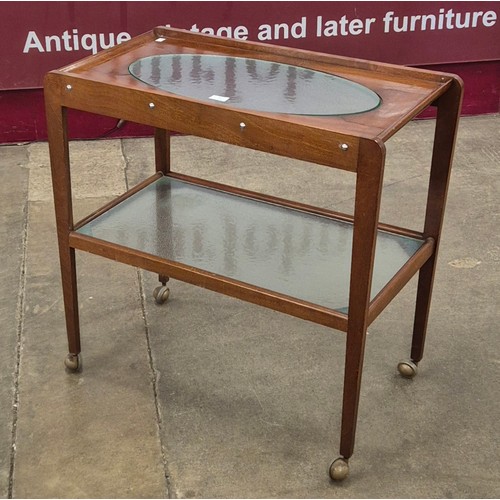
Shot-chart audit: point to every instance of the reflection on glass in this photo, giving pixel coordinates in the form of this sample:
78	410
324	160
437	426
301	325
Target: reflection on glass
254	84
292	252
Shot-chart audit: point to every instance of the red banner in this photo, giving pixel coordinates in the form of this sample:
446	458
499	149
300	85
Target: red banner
36	37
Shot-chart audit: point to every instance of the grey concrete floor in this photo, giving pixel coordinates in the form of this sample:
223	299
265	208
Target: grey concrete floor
207	396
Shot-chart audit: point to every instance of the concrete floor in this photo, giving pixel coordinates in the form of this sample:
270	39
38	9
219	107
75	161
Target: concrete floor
207	396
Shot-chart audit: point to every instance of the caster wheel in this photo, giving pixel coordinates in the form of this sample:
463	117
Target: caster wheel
339	469
407	369
73	362
161	294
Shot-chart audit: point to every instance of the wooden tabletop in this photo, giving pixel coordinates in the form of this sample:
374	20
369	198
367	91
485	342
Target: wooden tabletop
102	84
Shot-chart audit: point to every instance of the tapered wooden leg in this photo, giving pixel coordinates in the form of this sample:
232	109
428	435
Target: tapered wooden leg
448	115
70	294
355	348
422	308
366	211
162	150
61	184
162	163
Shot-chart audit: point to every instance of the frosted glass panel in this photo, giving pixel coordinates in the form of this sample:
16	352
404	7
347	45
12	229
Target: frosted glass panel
254	84
288	251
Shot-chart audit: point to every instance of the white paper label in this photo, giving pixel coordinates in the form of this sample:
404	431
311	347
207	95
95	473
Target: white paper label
219	98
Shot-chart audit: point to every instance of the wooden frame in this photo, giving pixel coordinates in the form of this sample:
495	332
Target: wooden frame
100	84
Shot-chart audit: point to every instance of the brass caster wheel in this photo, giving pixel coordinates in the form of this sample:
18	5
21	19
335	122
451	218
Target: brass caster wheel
73	362
407	369
161	294
339	469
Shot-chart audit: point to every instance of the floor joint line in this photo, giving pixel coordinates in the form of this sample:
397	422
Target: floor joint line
19	333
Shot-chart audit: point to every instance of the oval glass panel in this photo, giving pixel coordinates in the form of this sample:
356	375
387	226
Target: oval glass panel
254	84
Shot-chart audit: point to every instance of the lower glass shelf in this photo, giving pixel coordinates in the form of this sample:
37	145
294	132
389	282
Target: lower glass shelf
289	251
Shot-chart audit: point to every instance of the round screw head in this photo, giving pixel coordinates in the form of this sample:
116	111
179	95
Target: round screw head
344	146
68	87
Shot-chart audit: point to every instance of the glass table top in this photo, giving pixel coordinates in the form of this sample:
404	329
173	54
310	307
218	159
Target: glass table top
254	84
288	251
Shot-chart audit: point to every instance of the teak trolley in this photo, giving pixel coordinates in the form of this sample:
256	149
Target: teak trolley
351	140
